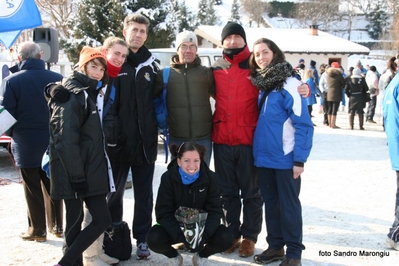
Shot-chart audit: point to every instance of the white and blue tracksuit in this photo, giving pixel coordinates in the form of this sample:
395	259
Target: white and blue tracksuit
283	137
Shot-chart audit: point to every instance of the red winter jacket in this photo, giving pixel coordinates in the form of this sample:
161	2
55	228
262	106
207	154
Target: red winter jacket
236	113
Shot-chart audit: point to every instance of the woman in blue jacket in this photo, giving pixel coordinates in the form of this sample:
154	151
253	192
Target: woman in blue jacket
311	100
282	143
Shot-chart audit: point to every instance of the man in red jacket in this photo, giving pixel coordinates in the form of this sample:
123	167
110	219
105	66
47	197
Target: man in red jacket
234	124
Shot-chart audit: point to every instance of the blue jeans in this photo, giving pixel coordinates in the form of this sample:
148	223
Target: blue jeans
206	142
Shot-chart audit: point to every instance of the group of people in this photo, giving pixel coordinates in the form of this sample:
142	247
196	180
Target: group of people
99	123
361	86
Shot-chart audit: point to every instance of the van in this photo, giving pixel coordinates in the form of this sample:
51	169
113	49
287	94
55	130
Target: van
208	55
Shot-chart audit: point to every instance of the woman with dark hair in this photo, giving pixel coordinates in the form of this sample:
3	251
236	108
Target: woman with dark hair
282	144
80	171
188	183
390	72
335	84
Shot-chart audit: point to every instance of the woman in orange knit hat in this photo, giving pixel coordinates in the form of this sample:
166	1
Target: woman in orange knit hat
80	171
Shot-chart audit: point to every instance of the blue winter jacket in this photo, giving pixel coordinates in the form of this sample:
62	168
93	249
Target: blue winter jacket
284	132
24	99
390	108
312	98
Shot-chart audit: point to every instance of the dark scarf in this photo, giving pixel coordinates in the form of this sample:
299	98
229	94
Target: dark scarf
273	76
230	53
141	56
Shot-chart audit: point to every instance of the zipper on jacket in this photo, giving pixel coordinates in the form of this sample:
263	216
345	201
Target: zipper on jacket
190	192
190	133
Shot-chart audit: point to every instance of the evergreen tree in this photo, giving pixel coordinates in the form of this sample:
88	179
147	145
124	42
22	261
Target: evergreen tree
160	32
378	21
202	12
235	16
94	21
186	18
213	18
207	13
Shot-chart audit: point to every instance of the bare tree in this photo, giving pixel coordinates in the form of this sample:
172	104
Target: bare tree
55	14
350	12
322	13
255	9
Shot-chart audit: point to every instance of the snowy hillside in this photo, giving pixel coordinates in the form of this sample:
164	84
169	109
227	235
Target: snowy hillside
224	12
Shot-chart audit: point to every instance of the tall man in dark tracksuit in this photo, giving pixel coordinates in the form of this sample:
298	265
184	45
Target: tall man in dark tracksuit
137	127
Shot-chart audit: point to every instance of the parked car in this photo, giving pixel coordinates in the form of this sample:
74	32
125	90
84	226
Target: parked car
208	55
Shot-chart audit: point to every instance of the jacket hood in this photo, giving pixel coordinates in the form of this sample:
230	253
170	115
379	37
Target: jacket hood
333	72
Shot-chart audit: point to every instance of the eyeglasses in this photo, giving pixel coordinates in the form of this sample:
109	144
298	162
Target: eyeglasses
184	47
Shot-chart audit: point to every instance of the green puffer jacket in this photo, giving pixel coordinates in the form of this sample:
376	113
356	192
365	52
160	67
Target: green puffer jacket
76	142
189	109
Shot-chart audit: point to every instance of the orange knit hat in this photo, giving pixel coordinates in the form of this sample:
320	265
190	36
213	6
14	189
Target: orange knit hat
89	53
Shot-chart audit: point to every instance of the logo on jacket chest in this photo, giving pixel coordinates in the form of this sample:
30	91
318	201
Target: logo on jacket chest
147	76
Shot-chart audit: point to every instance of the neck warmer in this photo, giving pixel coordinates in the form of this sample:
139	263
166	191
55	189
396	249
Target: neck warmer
186	178
112	70
230	53
273	76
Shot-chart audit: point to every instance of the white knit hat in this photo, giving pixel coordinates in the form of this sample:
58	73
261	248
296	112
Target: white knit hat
186	36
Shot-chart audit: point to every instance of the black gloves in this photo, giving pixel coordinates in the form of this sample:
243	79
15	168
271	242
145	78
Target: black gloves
58	93
80	187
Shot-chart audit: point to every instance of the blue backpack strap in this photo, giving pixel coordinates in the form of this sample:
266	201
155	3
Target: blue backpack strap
166	73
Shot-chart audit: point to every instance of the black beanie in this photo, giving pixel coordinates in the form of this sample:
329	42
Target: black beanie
233	28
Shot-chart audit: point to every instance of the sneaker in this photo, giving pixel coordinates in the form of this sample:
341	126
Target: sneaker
290	262
176	261
371	121
247	248
28	237
269	255
142	252
199	261
236	244
392	244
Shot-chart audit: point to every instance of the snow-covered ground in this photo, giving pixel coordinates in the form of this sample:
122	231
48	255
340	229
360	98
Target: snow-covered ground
348	192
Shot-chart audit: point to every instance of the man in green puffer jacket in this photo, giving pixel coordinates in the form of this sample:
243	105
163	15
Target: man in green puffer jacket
188	90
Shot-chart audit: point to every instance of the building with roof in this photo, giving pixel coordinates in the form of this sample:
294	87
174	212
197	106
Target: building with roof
309	44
